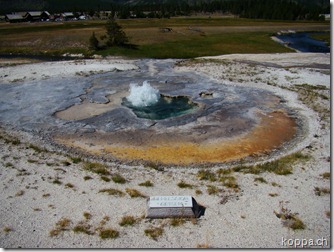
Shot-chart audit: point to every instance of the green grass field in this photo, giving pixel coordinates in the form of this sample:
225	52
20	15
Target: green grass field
189	37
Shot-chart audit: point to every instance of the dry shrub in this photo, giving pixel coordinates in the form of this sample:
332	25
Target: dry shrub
289	219
108	233
134	193
62	225
154	232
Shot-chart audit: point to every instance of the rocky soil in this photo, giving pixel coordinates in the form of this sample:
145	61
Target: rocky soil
53	199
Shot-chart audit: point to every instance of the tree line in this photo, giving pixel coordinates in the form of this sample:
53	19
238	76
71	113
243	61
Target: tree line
260	9
257	9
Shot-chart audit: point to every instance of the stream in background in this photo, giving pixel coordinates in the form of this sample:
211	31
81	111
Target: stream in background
303	42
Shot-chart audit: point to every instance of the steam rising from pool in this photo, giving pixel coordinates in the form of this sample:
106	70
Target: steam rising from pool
147	102
143	96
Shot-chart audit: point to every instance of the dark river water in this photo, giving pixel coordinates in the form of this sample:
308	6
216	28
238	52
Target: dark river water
303	42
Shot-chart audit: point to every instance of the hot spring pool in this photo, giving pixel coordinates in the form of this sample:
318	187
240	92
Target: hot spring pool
147	102
179	118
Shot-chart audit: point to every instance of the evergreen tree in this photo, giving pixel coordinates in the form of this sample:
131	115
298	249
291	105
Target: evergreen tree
115	34
93	42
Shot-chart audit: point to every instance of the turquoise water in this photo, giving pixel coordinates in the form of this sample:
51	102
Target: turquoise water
166	107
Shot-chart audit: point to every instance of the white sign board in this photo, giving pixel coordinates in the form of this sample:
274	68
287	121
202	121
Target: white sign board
170	201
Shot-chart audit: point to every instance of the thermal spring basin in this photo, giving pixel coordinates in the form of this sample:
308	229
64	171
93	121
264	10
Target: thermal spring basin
186	119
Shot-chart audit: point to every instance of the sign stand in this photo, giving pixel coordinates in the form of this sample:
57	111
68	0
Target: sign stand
173	207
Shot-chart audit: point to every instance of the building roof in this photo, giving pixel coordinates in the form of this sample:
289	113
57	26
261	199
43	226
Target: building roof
34	13
67	14
14	16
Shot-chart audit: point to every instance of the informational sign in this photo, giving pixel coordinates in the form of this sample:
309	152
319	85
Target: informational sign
170	201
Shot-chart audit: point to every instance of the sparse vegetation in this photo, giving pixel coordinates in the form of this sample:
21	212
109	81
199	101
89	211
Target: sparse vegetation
61	226
60	169
261	180
183	184
83	227
319	191
32	161
224	199
87	215
229	181
154	232
289	219
87	177
57	181
212	189
65	163
23	172
223	172
69	185
9	164
282	166
147	183
198	192
104	220
97	168
326	175
128	220
105	178
51	206
273	194
275	184
76	160
112	191
296	223
134	193
19	193
7	229
8	139
206	175
37	148
175	222
108	233
328	214
203	245
154	165
311	96
117	178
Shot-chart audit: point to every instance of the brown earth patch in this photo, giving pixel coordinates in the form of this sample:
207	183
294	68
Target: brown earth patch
272	131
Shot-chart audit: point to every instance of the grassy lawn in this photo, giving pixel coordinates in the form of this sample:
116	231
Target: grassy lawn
326	37
226	43
189	37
